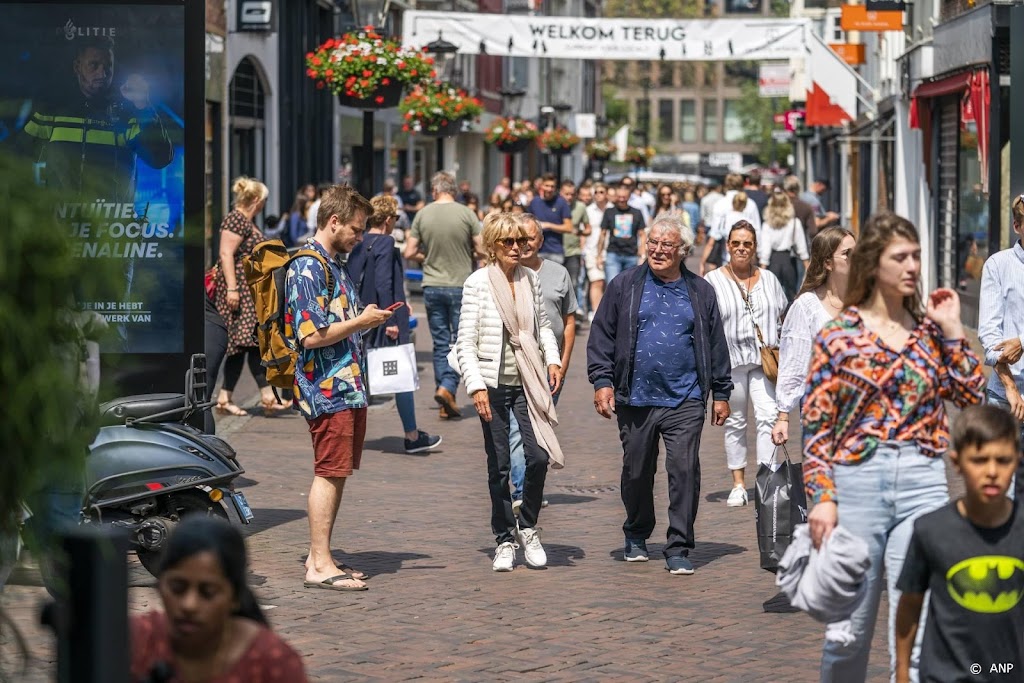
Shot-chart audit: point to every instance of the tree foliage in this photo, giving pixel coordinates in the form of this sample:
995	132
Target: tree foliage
756	116
655	9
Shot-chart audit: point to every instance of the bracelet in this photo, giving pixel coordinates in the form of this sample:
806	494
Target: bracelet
782	419
232	290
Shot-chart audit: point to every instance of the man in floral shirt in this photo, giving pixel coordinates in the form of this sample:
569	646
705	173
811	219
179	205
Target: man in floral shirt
329	389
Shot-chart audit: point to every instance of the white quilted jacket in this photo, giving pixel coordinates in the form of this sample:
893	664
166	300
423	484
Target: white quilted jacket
479	342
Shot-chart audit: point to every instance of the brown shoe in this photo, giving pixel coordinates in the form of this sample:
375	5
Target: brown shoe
446	400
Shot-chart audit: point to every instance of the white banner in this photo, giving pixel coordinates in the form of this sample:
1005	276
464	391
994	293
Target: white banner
773	80
698	40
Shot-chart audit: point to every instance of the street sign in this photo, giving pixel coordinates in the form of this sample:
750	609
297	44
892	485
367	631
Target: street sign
728	159
782	135
858	18
773	80
779	119
586	125
793	119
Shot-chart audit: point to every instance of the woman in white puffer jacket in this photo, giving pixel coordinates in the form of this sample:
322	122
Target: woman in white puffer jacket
510	363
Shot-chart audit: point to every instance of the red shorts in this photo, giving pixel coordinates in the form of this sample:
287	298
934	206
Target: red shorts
338	442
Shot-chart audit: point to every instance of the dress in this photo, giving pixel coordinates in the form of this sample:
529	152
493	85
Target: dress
268	659
241	322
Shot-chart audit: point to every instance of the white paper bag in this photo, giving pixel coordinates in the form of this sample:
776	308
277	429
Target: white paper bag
392	370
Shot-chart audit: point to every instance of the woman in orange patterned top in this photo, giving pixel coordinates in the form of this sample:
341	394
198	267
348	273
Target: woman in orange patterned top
212	629
875	427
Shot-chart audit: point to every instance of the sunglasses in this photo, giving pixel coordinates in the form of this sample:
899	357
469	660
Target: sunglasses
745	245
509	242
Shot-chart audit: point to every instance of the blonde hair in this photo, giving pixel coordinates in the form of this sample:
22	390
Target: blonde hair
384	207
498	226
739	201
1018	210
779	212
248	191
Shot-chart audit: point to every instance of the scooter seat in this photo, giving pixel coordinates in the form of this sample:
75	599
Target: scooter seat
117	411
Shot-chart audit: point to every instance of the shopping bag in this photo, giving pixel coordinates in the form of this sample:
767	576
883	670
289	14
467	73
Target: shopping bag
392	370
779	505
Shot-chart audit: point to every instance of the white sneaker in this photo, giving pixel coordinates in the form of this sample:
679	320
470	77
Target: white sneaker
504	557
533	551
738	497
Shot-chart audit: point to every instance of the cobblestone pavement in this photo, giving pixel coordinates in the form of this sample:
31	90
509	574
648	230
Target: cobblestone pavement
436	611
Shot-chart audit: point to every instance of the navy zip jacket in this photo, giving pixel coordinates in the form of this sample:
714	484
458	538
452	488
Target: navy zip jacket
612	341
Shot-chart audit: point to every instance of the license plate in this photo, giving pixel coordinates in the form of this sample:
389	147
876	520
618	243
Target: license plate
242	505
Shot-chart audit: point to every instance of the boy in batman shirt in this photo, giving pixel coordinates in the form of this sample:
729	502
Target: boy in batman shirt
969	556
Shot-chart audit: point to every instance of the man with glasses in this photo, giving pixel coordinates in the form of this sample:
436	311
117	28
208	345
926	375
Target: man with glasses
622	235
656	355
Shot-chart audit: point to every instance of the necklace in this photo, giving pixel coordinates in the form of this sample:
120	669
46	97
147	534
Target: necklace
736	277
829	296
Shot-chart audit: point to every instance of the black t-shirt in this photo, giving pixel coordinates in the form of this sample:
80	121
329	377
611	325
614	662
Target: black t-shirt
410	198
624	226
975	614
760	199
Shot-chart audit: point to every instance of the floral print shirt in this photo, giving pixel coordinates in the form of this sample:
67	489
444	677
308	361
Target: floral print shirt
328	379
860	393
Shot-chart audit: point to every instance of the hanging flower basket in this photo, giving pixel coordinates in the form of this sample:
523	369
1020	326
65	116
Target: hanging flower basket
438	109
559	140
601	150
511	135
366	70
639	156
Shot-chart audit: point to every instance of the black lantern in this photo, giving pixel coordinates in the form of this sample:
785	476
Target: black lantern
371	13
443	53
512	100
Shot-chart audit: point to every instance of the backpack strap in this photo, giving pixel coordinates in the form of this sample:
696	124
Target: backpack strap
327	267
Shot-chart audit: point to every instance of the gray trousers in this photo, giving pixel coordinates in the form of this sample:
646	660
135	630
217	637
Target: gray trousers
640	428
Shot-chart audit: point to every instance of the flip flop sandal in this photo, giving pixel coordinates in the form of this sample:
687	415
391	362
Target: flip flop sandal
328	584
230	408
352	572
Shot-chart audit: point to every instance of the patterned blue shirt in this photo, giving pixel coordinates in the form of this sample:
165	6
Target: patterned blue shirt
664	364
328	379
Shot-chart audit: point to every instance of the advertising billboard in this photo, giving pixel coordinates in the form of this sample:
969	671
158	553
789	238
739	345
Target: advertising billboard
94	100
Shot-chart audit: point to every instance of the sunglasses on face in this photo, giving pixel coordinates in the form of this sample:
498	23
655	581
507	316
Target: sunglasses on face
509	242
741	245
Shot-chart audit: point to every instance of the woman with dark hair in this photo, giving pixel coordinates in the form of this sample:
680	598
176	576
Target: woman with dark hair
751	303
376	266
212	630
874	419
298	229
819	300
664	203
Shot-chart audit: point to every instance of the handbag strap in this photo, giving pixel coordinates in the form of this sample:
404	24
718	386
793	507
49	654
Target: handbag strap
750	309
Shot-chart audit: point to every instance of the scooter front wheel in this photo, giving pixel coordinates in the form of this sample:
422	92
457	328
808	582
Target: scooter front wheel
176	508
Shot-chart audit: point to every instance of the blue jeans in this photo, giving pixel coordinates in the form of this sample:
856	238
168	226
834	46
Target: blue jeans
444	305
1016	491
616	263
518	455
879	499
406	410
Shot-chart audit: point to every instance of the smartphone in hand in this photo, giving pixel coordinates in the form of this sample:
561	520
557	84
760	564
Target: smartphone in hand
395	306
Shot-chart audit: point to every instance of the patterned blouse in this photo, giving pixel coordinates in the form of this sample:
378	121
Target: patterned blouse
861	393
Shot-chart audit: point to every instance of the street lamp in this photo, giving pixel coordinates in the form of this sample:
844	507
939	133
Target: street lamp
443	53
511	104
369	13
560	108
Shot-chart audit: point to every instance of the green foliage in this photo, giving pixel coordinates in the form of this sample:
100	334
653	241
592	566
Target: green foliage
47	420
615	110
755	113
655	9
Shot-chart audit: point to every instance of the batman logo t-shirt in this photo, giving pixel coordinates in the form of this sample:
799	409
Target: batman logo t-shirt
976	607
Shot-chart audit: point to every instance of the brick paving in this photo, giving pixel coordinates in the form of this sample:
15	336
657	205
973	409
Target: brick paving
435	610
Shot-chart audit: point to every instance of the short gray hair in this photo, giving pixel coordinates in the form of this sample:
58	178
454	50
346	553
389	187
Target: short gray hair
674	221
791	184
443	183
526	218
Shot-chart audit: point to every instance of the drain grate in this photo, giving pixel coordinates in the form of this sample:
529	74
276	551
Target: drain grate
610	488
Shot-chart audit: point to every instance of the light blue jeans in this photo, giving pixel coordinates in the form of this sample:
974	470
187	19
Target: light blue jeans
879	499
518	455
616	263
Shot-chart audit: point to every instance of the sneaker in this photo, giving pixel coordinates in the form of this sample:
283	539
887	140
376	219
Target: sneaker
516	504
423	442
678	564
544	503
590	317
635	550
504	557
738	497
533	551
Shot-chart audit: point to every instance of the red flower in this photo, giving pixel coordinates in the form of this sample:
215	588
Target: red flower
329	73
379	99
309	55
405	128
400	64
311	73
367	73
413	72
365	84
433	74
316	61
385	81
350	93
348	58
319	85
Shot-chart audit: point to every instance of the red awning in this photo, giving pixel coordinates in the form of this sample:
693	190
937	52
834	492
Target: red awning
950	85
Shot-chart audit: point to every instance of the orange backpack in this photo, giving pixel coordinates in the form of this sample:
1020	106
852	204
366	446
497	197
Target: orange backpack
265	272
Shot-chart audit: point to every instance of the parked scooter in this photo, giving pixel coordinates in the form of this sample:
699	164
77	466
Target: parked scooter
148	467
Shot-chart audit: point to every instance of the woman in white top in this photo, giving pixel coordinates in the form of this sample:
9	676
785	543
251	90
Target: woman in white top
820	300
782	240
509	360
747	296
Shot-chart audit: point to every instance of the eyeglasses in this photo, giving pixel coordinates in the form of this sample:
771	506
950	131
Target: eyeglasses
665	194
741	245
509	242
653	245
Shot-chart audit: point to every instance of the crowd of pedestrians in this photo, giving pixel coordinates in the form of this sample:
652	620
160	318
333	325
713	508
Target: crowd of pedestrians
786	312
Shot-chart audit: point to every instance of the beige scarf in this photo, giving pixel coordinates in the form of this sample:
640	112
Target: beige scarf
519	316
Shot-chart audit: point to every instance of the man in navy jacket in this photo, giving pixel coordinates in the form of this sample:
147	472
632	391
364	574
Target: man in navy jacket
656	354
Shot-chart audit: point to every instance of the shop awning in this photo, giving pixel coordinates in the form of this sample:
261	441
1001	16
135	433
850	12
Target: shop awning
950	85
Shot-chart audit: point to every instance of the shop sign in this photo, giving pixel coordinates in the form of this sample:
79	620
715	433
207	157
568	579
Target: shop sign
851	53
859	18
773	80
255	15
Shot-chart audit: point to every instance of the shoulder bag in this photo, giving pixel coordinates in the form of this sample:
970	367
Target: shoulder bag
769	354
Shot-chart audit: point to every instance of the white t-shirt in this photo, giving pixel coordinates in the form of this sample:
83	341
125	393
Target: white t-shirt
781	239
724	206
804	321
